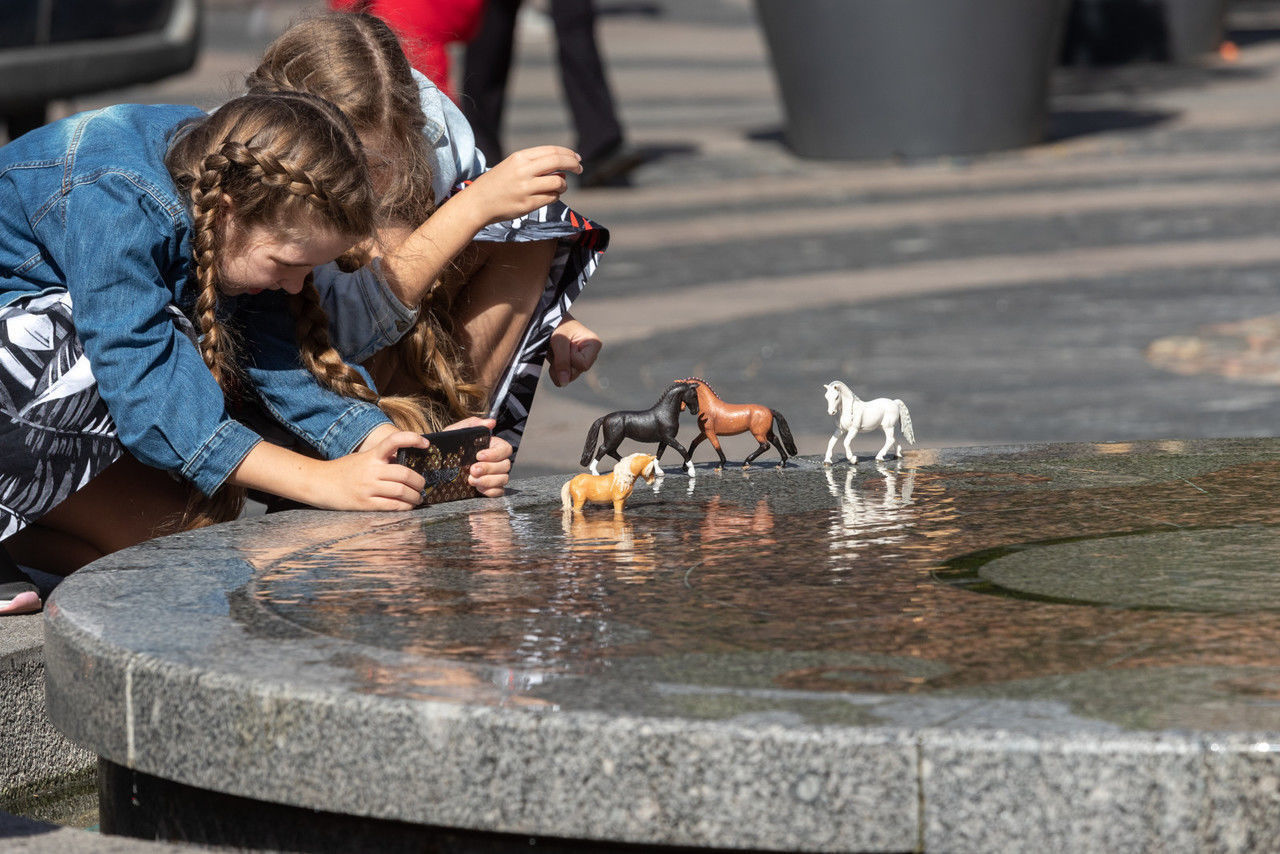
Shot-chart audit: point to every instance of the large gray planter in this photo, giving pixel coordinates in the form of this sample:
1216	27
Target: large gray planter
878	78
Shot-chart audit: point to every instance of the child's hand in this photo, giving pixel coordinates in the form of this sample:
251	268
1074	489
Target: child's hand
525	181
574	348
492	468
370	478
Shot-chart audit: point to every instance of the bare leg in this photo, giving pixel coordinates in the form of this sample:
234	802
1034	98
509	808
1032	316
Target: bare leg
125	505
493	307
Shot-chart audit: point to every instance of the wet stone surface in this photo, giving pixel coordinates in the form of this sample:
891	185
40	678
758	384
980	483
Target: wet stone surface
951	607
898	577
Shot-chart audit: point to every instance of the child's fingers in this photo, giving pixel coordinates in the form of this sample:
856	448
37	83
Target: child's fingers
395	476
561	360
490	486
382	503
550	164
499	449
401	439
584	355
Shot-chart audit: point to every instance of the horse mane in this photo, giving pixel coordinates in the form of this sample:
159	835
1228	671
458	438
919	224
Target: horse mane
622	473
699	380
844	385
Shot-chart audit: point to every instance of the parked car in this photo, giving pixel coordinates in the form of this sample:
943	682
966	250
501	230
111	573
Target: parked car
51	49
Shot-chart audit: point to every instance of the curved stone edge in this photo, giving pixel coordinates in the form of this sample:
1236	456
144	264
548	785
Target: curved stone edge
40	754
555	775
35	755
524	771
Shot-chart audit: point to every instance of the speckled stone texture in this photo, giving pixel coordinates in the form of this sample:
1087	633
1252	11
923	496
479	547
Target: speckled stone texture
823	659
41	753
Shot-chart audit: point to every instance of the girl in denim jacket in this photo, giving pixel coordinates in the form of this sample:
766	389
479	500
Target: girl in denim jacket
155	273
487	268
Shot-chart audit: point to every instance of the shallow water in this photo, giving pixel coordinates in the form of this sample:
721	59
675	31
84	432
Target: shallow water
1036	576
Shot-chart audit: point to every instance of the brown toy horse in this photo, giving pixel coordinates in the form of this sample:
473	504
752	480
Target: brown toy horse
608	488
717	418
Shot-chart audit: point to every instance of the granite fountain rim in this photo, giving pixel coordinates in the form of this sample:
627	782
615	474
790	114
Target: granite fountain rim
215	753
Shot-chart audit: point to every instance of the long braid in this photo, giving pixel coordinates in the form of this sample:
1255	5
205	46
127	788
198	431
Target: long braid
218	345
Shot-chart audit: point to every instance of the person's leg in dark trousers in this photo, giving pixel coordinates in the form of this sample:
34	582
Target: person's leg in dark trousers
485	70
583	76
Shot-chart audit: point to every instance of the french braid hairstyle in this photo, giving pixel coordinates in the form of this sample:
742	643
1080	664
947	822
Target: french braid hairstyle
292	163
356	62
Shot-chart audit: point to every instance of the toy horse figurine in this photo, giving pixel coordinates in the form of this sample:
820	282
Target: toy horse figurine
856	414
718	418
608	488
658	423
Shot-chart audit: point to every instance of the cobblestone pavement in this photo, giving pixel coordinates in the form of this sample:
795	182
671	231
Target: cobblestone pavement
1116	282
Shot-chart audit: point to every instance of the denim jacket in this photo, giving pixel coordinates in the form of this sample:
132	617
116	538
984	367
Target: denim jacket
86	205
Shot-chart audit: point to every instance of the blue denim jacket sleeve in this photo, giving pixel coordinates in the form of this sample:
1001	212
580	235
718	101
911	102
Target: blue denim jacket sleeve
364	315
168	409
453	144
332	424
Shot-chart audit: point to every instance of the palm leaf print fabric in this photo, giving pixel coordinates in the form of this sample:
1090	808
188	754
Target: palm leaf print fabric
55	431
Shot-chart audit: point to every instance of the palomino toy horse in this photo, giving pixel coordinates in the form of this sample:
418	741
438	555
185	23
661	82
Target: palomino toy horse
658	423
608	488
718	418
856	415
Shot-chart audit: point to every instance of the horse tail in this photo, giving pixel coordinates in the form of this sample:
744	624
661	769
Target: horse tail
565	501
592	435
784	431
905	418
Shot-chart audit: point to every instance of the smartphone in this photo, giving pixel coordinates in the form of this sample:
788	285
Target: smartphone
446	463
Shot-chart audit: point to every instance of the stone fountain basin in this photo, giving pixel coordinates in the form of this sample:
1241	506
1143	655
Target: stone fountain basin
1074	646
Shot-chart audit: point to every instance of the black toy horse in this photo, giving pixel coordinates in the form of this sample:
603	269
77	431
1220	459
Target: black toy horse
658	423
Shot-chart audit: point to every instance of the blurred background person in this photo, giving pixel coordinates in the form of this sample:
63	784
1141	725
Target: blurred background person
426	29
606	156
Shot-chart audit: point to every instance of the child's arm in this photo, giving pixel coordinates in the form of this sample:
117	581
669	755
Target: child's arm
367	480
524	182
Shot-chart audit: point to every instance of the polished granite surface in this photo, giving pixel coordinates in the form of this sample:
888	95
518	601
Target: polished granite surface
1109	600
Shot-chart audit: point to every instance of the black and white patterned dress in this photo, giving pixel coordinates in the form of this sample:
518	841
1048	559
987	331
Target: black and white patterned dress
55	432
581	243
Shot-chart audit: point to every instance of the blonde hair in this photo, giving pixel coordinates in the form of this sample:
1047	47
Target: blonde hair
356	62
285	162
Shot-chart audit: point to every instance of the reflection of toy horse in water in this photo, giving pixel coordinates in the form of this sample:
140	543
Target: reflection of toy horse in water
658	423
608	488
863	521
718	418
610	543
856	414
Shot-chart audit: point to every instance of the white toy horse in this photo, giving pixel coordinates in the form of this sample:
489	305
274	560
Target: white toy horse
856	415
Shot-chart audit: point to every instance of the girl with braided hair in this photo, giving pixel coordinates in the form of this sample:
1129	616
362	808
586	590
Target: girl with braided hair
155	275
479	266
